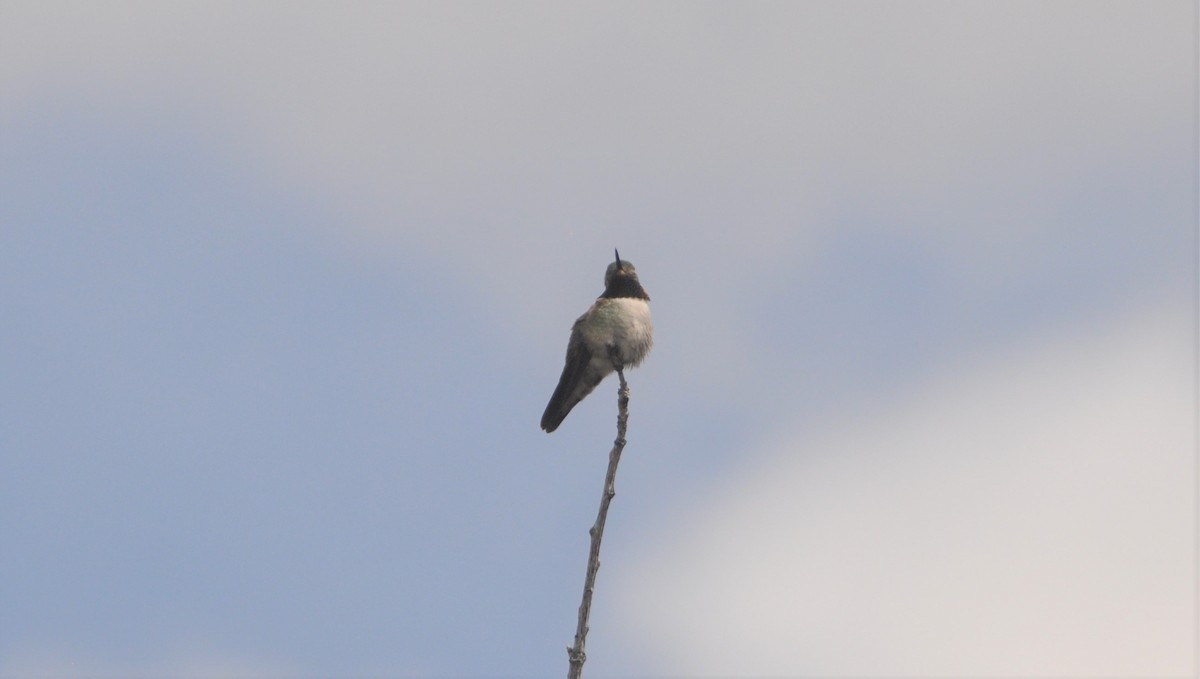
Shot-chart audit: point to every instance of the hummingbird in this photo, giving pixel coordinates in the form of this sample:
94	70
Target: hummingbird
614	333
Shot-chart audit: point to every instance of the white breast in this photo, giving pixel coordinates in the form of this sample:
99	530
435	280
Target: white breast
624	322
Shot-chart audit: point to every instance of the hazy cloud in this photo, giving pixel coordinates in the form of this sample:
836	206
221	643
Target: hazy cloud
1031	515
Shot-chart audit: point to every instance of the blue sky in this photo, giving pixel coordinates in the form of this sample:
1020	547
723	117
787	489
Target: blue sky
286	288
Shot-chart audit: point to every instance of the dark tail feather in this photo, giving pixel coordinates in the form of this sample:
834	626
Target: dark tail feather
573	385
568	394
561	402
553	416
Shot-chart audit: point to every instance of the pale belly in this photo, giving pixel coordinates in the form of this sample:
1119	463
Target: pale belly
624	323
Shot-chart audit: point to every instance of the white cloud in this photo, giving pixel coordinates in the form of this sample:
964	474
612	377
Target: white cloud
1032	515
543	135
434	121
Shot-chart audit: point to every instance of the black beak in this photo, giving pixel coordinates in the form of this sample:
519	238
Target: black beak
618	258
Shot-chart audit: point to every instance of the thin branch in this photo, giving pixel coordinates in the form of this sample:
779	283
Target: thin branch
576	653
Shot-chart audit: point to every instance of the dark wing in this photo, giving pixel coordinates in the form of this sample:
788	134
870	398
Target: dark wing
574	375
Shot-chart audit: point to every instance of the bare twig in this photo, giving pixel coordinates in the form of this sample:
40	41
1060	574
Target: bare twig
576	653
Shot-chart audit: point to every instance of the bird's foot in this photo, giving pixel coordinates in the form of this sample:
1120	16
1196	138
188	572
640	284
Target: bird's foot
614	355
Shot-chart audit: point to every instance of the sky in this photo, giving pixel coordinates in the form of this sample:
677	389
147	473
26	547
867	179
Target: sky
286	286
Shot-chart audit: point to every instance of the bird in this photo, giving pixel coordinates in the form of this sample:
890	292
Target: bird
615	333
